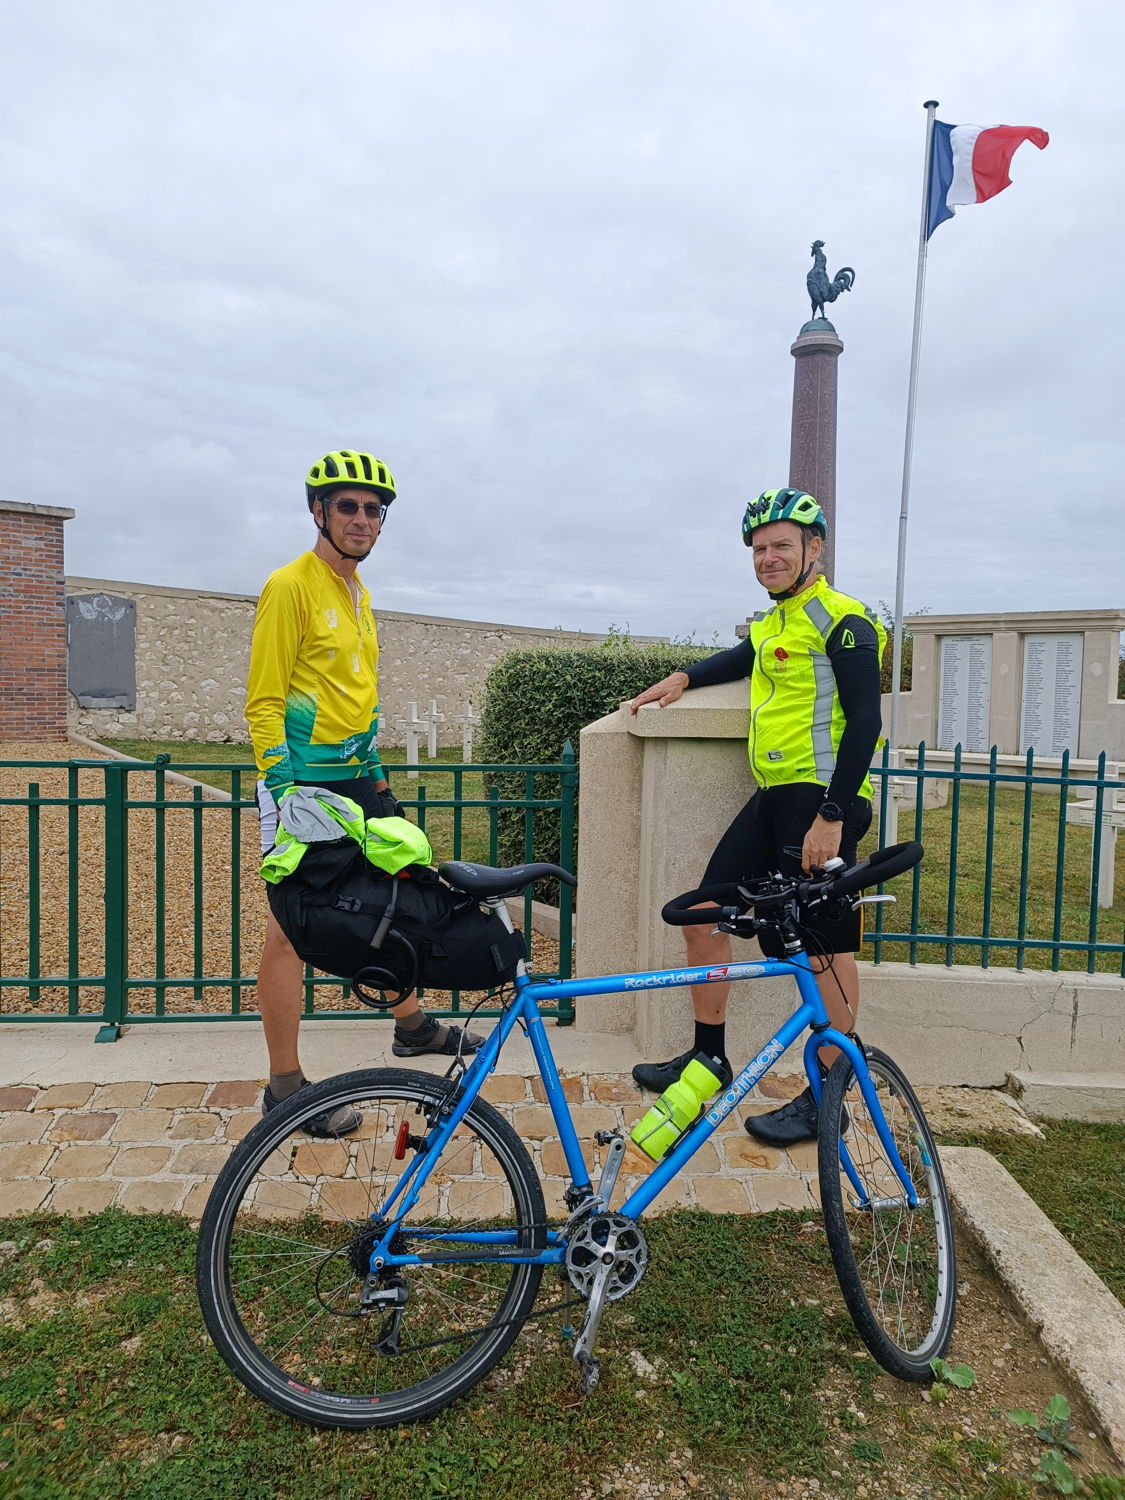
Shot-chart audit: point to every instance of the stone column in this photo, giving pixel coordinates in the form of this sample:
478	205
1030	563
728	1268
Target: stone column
33	698
812	443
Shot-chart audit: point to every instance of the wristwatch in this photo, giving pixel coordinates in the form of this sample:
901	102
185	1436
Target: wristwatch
831	812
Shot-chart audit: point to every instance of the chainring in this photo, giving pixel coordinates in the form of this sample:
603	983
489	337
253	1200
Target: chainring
590	1243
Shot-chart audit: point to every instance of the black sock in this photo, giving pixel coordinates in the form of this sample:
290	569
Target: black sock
712	1040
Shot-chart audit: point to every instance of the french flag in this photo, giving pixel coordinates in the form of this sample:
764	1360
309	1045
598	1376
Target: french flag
969	163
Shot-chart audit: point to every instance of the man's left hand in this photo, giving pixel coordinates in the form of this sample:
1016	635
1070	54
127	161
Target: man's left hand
822	843
389	806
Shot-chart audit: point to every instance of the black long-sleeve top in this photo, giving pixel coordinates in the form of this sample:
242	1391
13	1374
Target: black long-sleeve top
856	670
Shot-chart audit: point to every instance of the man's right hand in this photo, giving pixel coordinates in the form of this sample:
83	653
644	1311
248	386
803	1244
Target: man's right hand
664	692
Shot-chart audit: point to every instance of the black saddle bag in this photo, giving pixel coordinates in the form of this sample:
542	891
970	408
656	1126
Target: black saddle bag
390	933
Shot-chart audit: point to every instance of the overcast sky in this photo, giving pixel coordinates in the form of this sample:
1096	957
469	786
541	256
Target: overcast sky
547	261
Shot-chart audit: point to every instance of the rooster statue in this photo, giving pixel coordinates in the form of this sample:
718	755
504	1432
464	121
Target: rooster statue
821	289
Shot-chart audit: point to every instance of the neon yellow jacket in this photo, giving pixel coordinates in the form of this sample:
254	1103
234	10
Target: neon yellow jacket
796	721
312	697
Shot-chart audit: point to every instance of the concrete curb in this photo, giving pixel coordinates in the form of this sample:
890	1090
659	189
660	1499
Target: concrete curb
212	793
1080	1321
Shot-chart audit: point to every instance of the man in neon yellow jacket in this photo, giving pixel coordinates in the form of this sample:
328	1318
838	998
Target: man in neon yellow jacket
813	662
312	705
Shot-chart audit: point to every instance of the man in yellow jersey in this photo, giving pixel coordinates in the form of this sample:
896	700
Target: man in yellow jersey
815	718
313	708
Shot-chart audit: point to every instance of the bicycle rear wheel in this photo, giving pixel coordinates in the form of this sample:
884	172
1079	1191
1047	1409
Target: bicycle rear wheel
285	1242
896	1265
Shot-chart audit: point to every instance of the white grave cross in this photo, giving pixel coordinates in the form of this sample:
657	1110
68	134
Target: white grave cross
412	727
431	720
468	721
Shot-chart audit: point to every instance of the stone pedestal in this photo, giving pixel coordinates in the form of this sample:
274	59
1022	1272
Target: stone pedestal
812	443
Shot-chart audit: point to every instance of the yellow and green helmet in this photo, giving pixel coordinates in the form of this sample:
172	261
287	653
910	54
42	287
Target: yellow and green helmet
783	505
347	466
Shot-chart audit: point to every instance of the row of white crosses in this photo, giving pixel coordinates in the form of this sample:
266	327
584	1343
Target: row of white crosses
414	725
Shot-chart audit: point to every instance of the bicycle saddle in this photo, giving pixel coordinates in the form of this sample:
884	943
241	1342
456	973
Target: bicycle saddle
484	880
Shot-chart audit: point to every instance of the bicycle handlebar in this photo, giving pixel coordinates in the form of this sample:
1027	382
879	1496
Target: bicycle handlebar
884	864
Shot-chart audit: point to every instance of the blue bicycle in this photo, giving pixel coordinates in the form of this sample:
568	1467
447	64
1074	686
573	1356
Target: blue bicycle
371	1280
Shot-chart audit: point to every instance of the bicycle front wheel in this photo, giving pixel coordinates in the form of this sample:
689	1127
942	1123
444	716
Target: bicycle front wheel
896	1265
285	1243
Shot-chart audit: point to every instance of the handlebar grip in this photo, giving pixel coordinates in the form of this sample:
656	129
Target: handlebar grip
884	864
679	913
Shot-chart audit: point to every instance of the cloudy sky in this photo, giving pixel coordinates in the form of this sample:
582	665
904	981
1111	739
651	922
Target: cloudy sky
547	261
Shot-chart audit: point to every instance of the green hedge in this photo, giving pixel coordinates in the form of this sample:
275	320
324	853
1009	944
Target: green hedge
537	700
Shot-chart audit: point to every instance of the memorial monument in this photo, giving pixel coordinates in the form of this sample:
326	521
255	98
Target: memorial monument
812	442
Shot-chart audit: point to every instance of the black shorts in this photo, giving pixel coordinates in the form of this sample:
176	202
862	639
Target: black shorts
767	836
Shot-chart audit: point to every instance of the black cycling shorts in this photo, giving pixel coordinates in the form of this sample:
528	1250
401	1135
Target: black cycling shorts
767	835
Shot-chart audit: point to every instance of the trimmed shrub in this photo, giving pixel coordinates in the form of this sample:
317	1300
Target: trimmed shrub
537	700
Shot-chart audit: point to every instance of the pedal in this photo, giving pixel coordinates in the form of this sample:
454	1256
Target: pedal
591	1373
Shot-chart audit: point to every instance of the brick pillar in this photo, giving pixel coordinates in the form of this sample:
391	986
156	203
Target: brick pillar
33	699
812	444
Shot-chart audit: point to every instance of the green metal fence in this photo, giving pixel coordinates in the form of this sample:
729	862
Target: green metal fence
130	897
1019	862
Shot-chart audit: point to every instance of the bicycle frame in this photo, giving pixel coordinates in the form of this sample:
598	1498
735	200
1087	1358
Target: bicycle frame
524	1009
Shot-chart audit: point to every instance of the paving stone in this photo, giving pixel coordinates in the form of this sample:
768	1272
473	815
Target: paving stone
553	1190
613	1090
240	1125
141	1161
122	1095
722	1195
321	1159
675	1195
478	1200
82	1126
554	1159
235	1095
775	1190
803	1157
81	1161
26	1125
571	1087
25	1197
200	1159
23	1161
16	1098
178	1095
141	1125
706	1159
533	1122
283	1200
65	1096
196	1200
747	1154
590	1117
83	1197
782	1086
151	1197
505	1088
197	1126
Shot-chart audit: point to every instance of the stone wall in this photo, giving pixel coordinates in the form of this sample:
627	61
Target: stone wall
193	649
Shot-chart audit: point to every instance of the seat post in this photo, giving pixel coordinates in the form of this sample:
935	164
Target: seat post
500	906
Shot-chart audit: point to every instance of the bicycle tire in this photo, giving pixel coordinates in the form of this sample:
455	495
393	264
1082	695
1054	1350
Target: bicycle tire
896	1266
281	1250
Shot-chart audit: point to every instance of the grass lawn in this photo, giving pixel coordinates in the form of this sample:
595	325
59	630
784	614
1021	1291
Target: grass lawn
1076	1174
731	1368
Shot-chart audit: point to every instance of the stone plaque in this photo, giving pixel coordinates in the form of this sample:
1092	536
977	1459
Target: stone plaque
965	692
101	648
1051	698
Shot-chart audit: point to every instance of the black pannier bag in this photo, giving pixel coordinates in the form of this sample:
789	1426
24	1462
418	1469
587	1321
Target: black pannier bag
390	932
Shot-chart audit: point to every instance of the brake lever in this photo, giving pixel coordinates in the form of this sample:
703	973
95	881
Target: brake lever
872	901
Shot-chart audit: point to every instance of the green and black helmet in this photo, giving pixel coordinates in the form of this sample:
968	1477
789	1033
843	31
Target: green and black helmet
783	505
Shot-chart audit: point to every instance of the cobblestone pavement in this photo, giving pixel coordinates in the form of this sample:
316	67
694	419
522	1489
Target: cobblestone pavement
157	1147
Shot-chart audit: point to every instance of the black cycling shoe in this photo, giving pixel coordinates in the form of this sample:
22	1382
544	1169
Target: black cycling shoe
329	1124
793	1123
661	1076
424	1039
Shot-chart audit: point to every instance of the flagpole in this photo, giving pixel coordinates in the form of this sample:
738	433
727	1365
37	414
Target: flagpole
908	450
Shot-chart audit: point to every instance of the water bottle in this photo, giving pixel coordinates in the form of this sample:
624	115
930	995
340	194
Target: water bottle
678	1108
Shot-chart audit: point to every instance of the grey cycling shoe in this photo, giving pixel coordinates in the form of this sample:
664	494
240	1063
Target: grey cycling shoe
329	1124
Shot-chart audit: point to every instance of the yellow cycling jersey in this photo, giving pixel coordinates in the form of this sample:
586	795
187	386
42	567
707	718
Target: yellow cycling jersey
312	698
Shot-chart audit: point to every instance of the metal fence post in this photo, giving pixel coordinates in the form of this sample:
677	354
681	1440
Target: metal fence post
568	791
116	829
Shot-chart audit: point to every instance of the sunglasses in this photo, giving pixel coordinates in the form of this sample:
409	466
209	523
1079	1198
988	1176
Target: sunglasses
374	510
